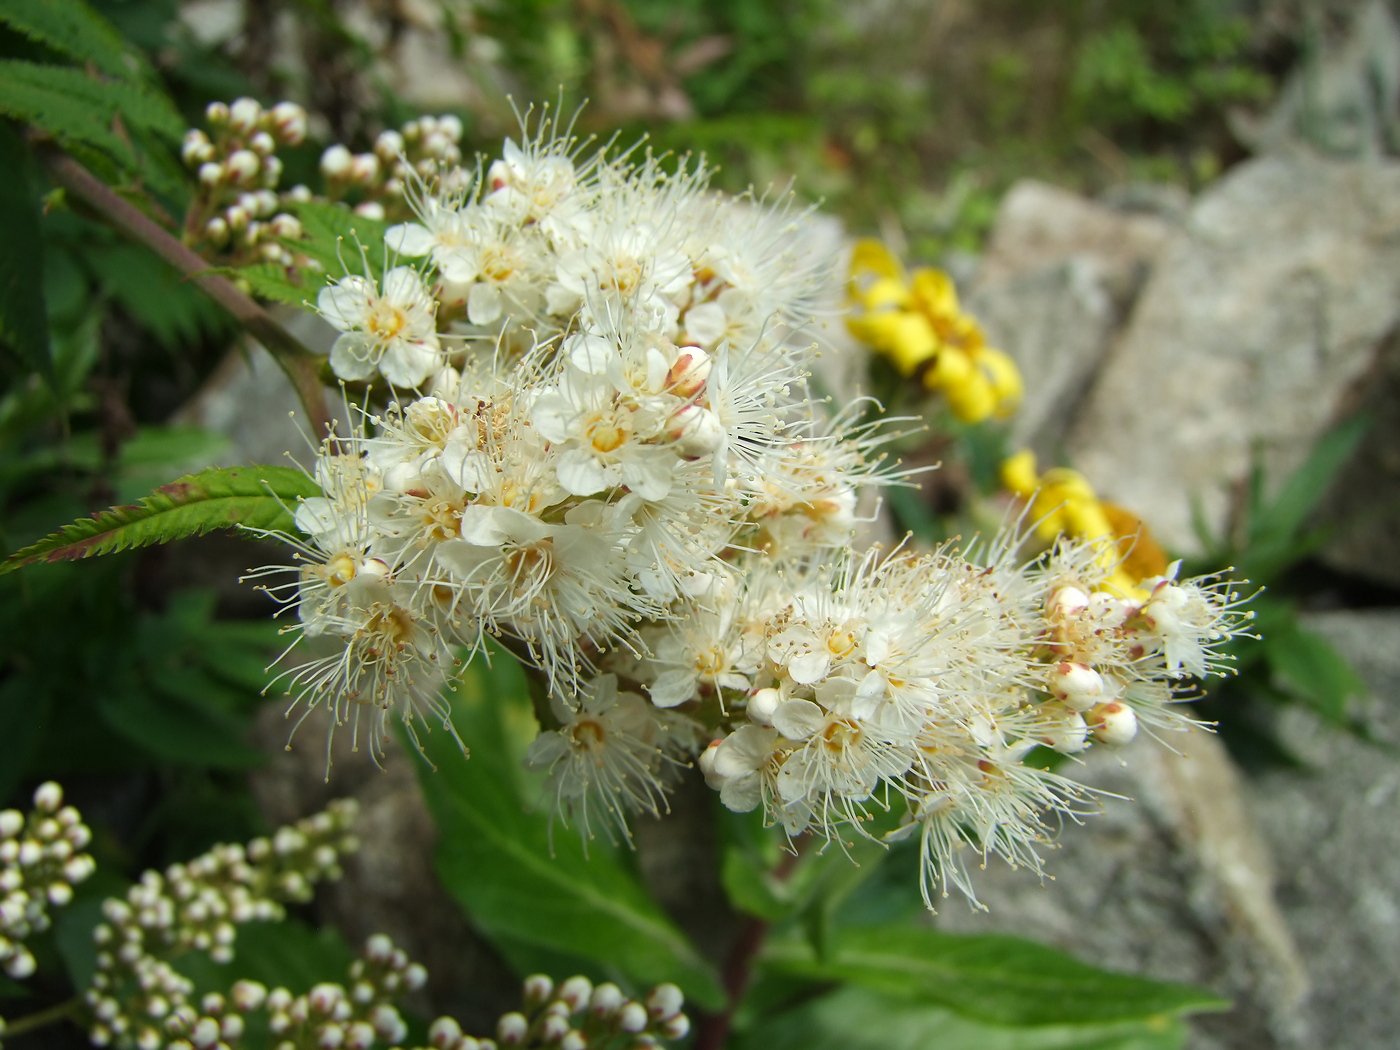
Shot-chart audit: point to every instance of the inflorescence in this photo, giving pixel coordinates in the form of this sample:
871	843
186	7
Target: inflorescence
599	446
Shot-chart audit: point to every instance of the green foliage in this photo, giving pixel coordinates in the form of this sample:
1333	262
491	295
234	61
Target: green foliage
259	498
1283	662
537	891
854	1018
993	978
23	326
73	29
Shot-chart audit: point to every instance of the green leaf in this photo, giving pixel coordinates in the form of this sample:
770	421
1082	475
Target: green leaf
72	28
993	978
262	497
178	732
63	102
289	954
341	241
1311	671
270	281
860	1019
526	893
24	322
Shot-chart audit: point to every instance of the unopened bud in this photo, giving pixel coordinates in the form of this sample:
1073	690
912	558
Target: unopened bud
573	1040
243	165
605	1000
762	704
511	1029
665	1001
11	823
575	992
262	143
444	1033
689	373
216	113
696	431
336	162
48	797
1077	685
1114	723
538	988
553	1027
359	1036
632	1017
288	120
370	210
248	995
448	124
364	168
1068	601
677	1027
244	115
59	894
388	145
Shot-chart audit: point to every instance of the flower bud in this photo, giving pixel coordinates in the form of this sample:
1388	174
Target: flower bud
388	145
359	1036
448	124
687	376
205	1034
231	1027
59	894
538	989
444	1033
605	1000
553	1027
762	704
370	210
1114	723
288	121
20	964
271	171
330	1036
364	168
11	823
664	1002
262	143
48	796
336	161
573	1040
248	995
677	1027
1077	685
216	113
245	115
632	1017
696	431
196	148
1068	601
149	1039
575	992
242	165
511	1029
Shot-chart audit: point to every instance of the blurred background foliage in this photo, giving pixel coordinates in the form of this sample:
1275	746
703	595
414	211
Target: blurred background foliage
906	119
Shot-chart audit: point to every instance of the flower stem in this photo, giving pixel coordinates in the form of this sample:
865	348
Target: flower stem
300	364
64	1011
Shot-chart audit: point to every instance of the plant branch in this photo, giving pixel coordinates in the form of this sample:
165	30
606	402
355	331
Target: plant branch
301	366
66	1010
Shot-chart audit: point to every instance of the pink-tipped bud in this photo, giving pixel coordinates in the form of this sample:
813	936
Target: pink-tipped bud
388	145
244	115
444	1033
48	797
665	1001
553	1027
242	166
288	122
370	210
695	431
605	1000
1068	601
196	148
537	990
448	124
575	992
1077	685
687	376
632	1017
762	704
364	168
1113	723
511	1029
677	1027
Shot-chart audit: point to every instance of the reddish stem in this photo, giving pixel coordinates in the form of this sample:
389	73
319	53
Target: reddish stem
301	366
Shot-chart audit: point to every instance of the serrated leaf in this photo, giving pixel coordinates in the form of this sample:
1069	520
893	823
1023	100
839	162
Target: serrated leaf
341	241
219	498
270	281
859	1019
72	28
1003	980
60	101
24	323
495	856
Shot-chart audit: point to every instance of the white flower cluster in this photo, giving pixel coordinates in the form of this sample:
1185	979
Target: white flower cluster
41	860
381	178
577	1015
198	906
610	461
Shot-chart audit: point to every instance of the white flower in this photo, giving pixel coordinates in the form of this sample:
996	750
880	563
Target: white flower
393	334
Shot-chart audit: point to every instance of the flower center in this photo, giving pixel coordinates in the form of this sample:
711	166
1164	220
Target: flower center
386	321
608	431
840	734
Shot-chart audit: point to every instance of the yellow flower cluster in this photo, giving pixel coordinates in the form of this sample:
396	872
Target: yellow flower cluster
1063	503
915	321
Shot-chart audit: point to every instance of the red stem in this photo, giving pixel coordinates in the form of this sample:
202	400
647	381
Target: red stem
301	366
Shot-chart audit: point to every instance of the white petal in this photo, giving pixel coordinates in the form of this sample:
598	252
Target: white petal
580	474
590	354
741	795
344	303
493	526
484	304
706	324
744	751
354	356
672	688
799	719
409	239
408	364
649	476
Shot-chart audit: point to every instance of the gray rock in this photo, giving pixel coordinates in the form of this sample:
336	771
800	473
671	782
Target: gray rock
1059	273
1257	319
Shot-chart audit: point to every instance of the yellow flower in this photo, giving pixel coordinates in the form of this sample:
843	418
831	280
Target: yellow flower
916	322
1063	502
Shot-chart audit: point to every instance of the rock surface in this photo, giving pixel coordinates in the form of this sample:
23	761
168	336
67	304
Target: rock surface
1258	318
1058	276
1178	884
